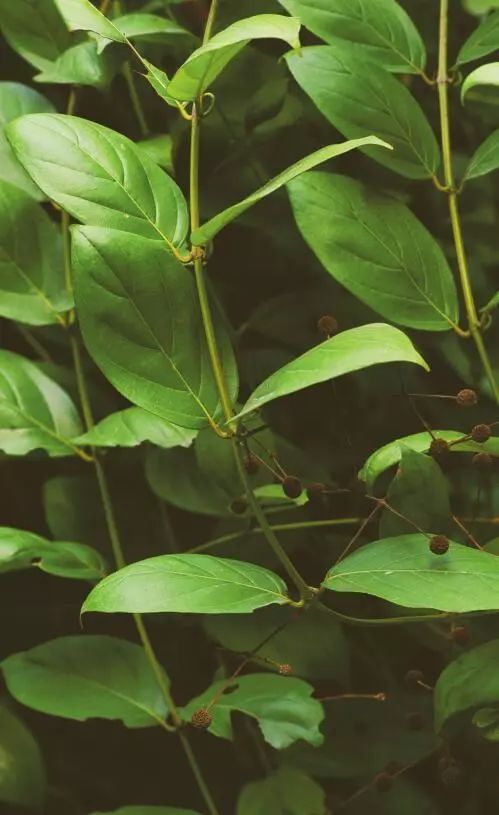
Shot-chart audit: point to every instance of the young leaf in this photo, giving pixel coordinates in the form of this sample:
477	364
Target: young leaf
35	30
87	677
203	66
132	426
286	792
282	705
375	247
22	775
23	550
486	158
81	15
487	75
383	29
32	285
391	453
18	100
404	571
35	413
349	351
359	97
82	65
147	28
99	176
208	231
190	584
484	40
467	683
132	297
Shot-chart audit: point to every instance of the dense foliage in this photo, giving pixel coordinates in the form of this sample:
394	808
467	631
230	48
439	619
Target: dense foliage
248	407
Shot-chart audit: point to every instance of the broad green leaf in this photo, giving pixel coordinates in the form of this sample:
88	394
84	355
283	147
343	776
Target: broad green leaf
282	705
160	150
471	681
99	176
24	550
383	29
349	351
140	319
34	29
391	453
286	792
148	810
487	75
484	40
206	63
82	15
485	160
35	413
147	28
375	247
404	571
87	677
22	773
191	584
208	231
132	426
18	100
312	643
32	288
420	492
359	97
82	65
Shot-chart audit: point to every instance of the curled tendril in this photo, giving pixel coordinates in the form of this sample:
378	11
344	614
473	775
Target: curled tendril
208	98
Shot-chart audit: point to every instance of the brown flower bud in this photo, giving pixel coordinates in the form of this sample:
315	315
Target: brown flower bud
481	432
327	325
466	397
439	447
285	669
439	544
291	486
251	464
201	718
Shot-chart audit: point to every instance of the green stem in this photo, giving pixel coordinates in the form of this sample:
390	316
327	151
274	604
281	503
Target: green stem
135	99
203	787
210	21
451	192
33	342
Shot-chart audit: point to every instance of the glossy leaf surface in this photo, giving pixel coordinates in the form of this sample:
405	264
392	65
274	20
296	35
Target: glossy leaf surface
132	426
81	65
467	683
82	15
34	29
486	158
484	40
485	75
24	550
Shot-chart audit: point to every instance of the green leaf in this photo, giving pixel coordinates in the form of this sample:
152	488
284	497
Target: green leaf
132	426
486	158
420	492
282	705
359	97
391	453
147	810
286	792
367	241
82	65
148	28
35	30
158	80
32	288
23	550
160	150
404	571
99	176
484	40
383	29
87	677
492	304
18	100
468	683
191	584
81	15
22	773
132	298
203	66
35	413
349	351
484	75
208	231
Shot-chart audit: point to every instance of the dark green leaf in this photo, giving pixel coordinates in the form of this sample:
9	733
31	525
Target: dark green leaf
285	792
22	774
487	75
492	304
23	550
471	681
82	65
131	427
486	159
484	40
34	29
87	677
375	247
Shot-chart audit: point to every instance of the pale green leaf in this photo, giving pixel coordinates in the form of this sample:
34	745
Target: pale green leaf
132	297
208	231
160	150
24	550
349	351
87	677
469	682
286	792
374	246
207	62
485	75
147	28
484	40
486	158
359	97
282	705
82	15
404	571
35	30
82	65
22	773
383	29
131	427
191	584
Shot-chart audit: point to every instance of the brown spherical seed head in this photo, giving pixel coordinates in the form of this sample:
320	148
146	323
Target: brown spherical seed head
482	460
201	718
315	490
291	486
327	325
239	506
450	772
412	677
285	669
439	544
460	635
439	447
466	397
251	464
481	432
415	721
383	782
